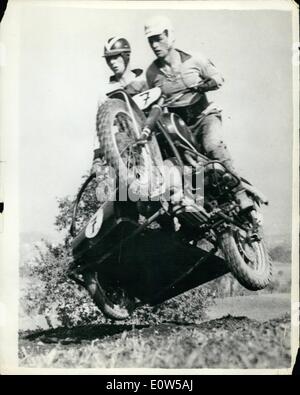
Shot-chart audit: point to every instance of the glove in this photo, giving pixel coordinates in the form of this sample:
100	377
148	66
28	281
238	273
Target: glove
207	85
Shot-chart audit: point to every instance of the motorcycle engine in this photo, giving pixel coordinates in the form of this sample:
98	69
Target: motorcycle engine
218	179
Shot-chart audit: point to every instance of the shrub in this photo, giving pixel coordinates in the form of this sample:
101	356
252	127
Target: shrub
52	294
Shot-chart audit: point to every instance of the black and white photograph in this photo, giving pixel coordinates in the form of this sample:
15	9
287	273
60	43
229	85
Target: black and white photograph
149	176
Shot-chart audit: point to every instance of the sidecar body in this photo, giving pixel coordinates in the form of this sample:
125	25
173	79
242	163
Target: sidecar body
151	264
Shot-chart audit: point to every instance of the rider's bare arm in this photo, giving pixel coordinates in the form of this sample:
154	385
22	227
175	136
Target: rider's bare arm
137	85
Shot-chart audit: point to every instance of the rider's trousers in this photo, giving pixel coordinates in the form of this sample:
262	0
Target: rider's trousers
208	134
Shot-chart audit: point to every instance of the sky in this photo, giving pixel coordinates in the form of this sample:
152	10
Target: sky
61	74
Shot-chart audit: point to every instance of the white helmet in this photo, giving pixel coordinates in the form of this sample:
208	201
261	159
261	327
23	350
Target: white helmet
157	25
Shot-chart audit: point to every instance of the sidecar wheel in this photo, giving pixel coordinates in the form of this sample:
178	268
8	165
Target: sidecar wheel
136	166
249	263
98	294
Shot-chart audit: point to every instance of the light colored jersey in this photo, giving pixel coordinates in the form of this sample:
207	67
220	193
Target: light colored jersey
189	70
133	82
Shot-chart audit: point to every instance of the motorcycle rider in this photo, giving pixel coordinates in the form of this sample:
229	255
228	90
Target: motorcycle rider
174	70
117	55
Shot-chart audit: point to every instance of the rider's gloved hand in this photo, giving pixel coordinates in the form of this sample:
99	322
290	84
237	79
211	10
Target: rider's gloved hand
207	85
144	137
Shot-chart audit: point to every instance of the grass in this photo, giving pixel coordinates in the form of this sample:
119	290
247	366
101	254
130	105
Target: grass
229	342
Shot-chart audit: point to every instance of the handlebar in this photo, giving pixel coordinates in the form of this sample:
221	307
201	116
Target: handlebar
182	93
154	114
157	109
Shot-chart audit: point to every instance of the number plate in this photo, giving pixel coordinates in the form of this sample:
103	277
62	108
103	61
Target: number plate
144	99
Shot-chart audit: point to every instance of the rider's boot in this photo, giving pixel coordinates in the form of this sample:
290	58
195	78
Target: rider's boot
217	150
243	199
241	196
247	204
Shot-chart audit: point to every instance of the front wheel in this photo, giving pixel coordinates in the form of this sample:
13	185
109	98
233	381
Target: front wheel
248	261
140	167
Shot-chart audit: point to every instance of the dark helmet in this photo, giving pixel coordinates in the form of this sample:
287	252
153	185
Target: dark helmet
117	46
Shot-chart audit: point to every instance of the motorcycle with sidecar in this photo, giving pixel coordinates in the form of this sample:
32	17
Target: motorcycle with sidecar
180	224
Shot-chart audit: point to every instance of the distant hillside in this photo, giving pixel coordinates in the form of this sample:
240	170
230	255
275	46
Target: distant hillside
280	247
278	239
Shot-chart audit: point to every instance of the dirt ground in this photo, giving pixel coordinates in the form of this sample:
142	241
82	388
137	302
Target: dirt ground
237	334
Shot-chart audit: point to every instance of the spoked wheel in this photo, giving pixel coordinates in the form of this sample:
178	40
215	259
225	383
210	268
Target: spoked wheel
138	166
247	259
112	301
133	157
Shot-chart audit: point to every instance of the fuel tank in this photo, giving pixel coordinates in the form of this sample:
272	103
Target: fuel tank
177	129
